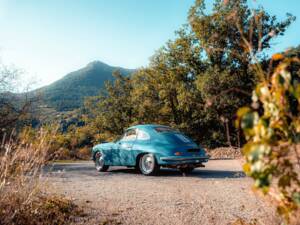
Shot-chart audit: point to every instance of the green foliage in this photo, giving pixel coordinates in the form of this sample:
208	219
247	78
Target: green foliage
111	111
195	82
272	130
233	32
228	81
73	144
166	92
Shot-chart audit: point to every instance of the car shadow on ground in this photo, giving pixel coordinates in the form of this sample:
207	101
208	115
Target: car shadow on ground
89	170
67	167
201	173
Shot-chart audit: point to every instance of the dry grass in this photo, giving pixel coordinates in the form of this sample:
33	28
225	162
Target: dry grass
40	209
240	221
21	198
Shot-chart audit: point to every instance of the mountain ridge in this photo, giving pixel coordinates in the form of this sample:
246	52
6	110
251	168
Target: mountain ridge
68	93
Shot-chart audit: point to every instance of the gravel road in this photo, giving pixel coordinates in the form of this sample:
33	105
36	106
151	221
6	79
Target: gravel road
217	194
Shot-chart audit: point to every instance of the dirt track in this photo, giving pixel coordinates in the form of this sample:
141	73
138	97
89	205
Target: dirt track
217	194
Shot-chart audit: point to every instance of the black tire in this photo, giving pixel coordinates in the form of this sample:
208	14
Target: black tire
99	163
186	170
148	165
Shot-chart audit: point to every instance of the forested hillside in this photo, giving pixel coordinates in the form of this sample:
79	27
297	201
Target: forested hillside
69	92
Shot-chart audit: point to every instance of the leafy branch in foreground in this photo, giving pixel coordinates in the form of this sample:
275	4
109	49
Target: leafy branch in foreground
272	130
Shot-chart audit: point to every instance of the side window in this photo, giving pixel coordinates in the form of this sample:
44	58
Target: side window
130	135
142	135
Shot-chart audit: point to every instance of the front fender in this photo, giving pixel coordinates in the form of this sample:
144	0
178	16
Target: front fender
95	149
104	148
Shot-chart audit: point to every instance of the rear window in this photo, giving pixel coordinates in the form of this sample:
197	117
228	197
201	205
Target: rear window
164	129
173	135
176	138
183	138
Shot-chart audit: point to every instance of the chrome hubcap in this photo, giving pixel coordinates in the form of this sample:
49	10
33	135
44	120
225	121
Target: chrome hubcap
147	163
99	160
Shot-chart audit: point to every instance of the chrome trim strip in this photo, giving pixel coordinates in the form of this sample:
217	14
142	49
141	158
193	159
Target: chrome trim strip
184	158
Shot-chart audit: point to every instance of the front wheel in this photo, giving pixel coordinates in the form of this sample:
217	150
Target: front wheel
148	165
99	162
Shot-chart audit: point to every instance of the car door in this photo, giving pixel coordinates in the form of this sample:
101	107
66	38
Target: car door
121	153
125	156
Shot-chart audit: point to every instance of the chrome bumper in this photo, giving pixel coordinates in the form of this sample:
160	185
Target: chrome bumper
196	159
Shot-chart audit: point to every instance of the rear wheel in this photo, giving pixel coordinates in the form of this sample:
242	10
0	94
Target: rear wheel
148	165
99	162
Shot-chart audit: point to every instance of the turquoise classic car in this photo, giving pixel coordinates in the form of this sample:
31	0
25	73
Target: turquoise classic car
149	147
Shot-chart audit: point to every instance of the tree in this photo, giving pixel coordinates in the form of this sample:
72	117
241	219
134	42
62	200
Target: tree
223	32
14	108
112	110
230	35
166	92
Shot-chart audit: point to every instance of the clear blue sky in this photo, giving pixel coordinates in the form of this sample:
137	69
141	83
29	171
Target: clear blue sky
49	38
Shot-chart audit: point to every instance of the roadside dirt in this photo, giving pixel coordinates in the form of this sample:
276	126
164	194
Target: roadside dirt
225	153
217	194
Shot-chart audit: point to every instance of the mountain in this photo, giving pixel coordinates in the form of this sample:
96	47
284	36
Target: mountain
69	92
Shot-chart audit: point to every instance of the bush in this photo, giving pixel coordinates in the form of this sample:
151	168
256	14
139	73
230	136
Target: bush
62	154
272	130
84	153
21	199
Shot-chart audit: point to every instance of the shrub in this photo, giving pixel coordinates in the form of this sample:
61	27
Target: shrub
272	130
84	153
21	198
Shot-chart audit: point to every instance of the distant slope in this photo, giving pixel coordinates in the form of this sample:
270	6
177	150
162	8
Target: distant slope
69	92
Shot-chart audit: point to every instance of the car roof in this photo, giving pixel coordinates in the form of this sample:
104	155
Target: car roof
146	126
